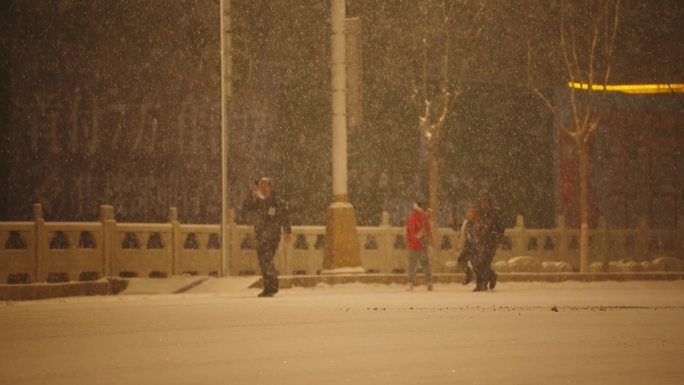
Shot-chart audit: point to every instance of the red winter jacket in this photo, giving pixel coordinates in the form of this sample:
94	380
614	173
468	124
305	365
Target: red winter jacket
417	230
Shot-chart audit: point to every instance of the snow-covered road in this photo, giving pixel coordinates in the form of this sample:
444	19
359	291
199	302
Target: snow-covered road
523	333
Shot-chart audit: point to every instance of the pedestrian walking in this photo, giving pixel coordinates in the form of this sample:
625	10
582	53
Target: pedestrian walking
418	235
467	243
272	218
490	236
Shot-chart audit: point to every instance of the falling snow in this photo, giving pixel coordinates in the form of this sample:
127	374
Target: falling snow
118	103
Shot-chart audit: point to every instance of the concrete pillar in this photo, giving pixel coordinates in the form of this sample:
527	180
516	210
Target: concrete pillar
233	265
40	241
342	250
175	239
384	221
387	244
519	239
108	237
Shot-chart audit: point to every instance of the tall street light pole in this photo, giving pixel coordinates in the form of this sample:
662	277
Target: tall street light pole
342	251
226	94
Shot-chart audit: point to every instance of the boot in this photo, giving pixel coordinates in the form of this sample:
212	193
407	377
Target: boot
481	286
468	276
492	280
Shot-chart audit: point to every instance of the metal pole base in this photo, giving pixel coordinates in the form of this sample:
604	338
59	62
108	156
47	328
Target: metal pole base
342	250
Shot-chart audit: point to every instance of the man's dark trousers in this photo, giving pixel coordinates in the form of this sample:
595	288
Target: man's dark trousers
483	267
266	250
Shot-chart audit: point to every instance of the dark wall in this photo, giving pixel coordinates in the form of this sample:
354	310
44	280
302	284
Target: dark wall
111	102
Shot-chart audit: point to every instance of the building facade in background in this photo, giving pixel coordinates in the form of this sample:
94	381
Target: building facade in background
637	163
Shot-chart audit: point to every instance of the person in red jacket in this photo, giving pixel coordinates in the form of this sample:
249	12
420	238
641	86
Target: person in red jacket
418	234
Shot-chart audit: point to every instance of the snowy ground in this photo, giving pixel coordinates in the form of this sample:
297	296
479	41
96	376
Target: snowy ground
220	333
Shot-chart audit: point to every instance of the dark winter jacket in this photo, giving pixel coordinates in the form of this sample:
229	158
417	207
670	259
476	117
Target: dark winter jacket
272	214
470	235
491	228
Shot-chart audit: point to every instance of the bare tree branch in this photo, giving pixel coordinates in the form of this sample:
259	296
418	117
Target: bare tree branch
592	53
599	60
425	55
534	88
564	129
611	42
589	108
439	125
447	41
572	77
592	126
413	98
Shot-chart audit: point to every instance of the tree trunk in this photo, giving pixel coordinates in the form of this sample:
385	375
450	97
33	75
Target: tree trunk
433	186
433	182
584	167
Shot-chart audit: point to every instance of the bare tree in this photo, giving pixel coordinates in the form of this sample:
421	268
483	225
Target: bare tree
446	37
587	42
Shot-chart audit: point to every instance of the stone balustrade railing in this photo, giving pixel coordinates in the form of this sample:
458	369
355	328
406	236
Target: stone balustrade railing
39	251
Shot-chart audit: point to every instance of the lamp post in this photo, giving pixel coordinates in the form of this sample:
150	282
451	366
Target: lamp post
342	252
226	94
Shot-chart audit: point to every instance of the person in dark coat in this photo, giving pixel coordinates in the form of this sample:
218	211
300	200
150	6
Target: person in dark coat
271	218
467	246
491	233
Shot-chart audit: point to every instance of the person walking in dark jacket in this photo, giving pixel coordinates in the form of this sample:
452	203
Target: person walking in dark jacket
467	246
491	233
272	218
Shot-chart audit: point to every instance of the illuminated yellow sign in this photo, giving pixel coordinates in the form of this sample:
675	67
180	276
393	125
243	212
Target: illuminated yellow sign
631	88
